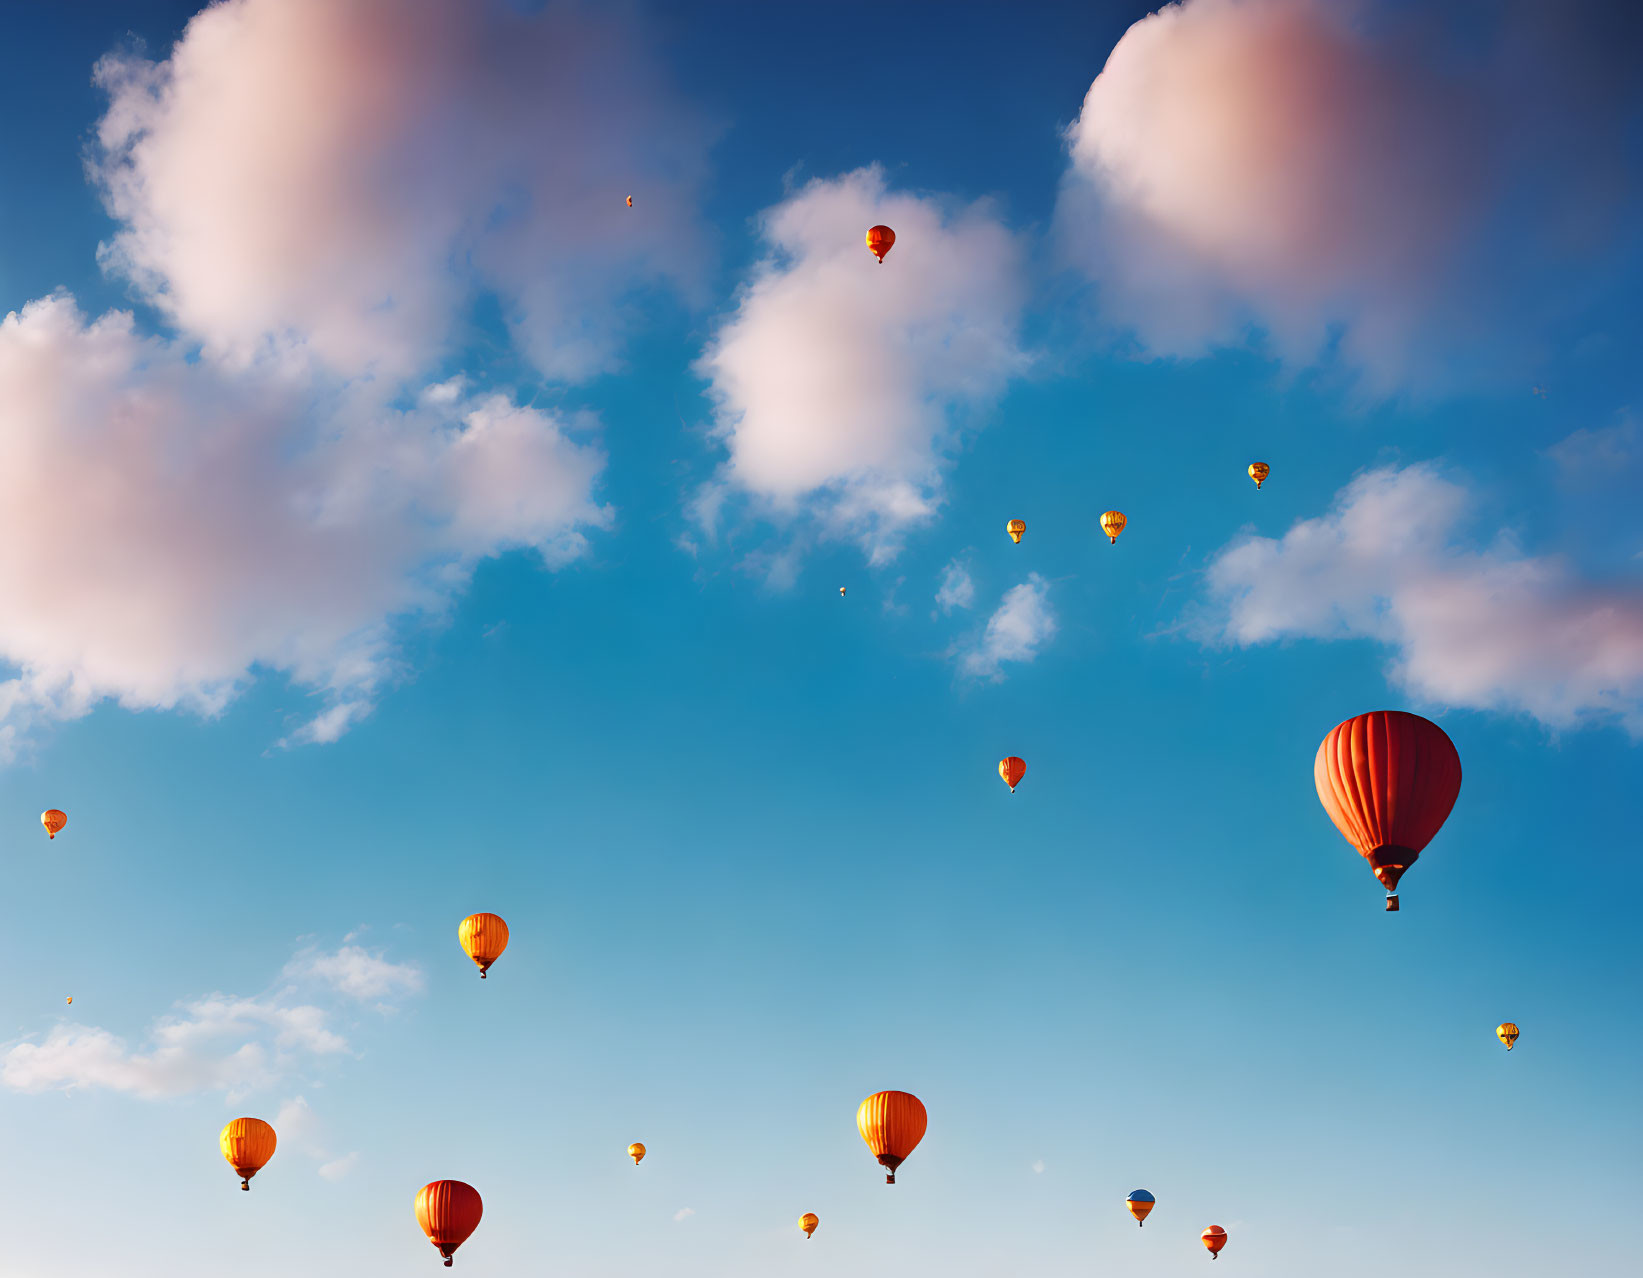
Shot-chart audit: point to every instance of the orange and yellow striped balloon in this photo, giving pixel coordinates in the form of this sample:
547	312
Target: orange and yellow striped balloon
247	1144
1258	471
1507	1034
892	1124
483	937
808	1223
54	820
1112	523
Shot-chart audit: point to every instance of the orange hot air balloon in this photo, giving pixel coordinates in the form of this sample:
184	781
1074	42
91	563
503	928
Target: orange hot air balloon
247	1144
1507	1034
1112	523
71	1000
808	1223
484	937
54	821
636	1151
1015	528
1214	1238
1258	471
630	201
892	1124
1388	781
448	1212
880	240
1012	770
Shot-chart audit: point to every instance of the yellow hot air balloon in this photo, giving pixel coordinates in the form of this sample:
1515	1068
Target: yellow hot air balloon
1112	523
1507	1034
247	1144
808	1223
484	937
54	820
636	1151
1258	471
1015	528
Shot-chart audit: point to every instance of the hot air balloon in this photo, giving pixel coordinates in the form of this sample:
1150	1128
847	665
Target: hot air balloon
636	1151
484	937
247	1144
808	1223
1112	523
880	240
1214	1238
1507	1034
892	1124
1258	471
71	1000
1388	780
54	821
448	1212
1015	528
630	201
1140	1202
1012	770
841	592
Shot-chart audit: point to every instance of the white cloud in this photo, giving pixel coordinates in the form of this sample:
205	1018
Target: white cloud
172	528
1023	623
1038	1166
684	1213
1490	629
358	973
957	589
839	383
337	1168
220	1043
1349	184
300	1130
339	181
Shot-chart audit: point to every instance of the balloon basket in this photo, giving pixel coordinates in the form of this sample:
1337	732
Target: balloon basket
1391	903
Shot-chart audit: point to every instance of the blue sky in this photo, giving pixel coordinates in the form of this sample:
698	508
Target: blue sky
431	539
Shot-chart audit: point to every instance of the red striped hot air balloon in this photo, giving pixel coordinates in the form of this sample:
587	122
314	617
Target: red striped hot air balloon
448	1212
1012	770
1388	781
892	1124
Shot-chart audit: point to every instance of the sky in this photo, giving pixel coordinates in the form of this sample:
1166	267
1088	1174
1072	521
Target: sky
396	526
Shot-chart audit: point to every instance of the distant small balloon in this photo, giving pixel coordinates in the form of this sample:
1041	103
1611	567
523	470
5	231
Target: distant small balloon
808	1223
71	1000
1258	471
54	820
1112	523
1507	1034
636	1151
841	592
1012	770
880	240
1015	528
1214	1238
630	201
1140	1202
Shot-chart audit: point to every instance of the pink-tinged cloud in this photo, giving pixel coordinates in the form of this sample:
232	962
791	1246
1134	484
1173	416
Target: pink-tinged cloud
841	385
1489	629
340	180
168	528
1335	183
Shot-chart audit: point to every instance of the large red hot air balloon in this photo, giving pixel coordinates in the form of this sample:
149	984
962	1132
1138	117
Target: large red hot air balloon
448	1212
1388	781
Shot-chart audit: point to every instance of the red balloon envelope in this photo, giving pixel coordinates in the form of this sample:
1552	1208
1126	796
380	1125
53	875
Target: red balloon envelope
1388	781
448	1212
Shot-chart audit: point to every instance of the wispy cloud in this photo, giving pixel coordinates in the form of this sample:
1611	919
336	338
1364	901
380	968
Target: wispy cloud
357	973
1490	629
1015	633
220	1043
957	589
839	383
684	1213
